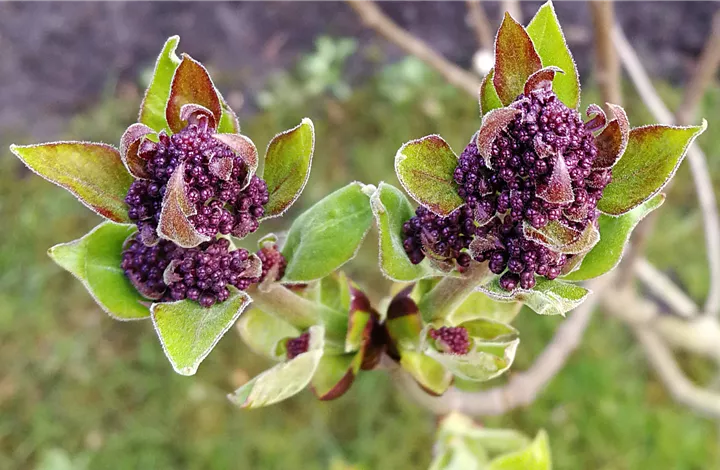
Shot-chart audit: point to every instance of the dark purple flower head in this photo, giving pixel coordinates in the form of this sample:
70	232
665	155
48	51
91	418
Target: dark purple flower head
442	239
297	346
537	164
166	272
226	199
273	262
452	339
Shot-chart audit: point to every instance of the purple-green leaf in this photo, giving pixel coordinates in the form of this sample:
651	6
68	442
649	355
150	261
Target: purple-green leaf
546	298
493	124
335	375
489	98
287	166
244	148
558	190
547	36
515	60
650	160
191	84
562	238
95	261
130	154
93	172
542	79
152	110
425	168
189	332
613	140
174	221
614	235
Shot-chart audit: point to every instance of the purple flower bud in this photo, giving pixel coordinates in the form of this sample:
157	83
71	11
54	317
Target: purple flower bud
452	339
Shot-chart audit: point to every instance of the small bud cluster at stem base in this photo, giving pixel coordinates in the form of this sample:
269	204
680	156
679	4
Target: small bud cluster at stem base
273	262
452	339
438	237
297	346
166	272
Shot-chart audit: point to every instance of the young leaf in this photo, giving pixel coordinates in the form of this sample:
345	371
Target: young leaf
244	148
534	457
262	332
515	60
287	166
651	158
489	98
188	332
392	209
335	375
229	123
327	235
425	168
546	298
427	372
95	261
479	305
547	36
614	235
284	380
191	84
493	124
94	173
174	223
152	109
484	362
130	149
562	238
613	140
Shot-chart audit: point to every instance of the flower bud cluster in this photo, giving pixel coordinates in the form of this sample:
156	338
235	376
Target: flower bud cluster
273	262
440	238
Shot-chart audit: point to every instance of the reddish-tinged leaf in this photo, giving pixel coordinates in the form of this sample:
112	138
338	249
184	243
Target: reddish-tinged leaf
195	114
481	245
563	239
613	140
493	124
515	60
425	168
542	79
174	224
489	98
334	376
244	148
130	149
559	188
651	158
93	172
191	84
597	118
221	167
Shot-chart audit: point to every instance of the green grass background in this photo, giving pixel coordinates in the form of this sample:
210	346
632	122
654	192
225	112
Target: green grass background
78	390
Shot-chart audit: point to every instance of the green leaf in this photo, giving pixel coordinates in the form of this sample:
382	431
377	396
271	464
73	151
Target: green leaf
392	209
425	168
534	457
95	261
287	166
651	158
547	36
327	235
489	98
94	173
152	109
515	60
285	379
188	332
546	298
427	372
485	361
229	123
479	305
335	375
334	291
262	332
614	235
191	85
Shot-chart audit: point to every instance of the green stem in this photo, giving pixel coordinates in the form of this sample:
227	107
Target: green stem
296	310
450	292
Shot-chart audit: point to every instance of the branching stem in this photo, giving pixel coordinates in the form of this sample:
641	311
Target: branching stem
450	292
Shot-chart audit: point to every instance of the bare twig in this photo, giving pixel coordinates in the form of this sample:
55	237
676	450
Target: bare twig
703	76
522	388
480	24
681	388
607	66
374	18
663	288
698	166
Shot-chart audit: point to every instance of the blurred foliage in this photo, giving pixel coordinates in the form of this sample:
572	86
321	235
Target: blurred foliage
78	388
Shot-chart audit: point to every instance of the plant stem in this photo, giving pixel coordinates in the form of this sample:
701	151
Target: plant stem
296	310
450	292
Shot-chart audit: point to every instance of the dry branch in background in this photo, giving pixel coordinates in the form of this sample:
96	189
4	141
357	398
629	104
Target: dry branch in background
481	25
607	66
373	17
